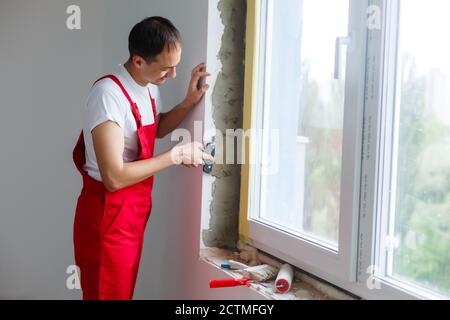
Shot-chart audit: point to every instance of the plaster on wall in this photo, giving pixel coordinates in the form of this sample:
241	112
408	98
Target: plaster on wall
227	101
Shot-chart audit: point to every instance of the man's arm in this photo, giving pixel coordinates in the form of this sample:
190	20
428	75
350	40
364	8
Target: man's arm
108	142
109	146
167	122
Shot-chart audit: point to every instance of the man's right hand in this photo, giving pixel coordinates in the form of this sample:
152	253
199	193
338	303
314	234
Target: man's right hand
190	154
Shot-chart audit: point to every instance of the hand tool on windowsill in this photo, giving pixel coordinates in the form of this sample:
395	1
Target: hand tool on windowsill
251	274
223	283
233	265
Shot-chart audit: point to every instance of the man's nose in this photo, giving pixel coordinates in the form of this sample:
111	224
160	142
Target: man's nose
172	73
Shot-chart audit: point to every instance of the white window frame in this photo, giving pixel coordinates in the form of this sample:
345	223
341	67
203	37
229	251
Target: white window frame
322	259
380	162
368	119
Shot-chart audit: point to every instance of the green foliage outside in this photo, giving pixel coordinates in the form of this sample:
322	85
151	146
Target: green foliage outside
423	194
423	178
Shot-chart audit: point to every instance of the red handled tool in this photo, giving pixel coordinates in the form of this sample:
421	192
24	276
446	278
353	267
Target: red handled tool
222	283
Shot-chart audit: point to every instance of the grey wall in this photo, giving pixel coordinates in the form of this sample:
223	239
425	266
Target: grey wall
45	76
46	71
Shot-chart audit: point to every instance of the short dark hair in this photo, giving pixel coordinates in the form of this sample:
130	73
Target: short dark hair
151	36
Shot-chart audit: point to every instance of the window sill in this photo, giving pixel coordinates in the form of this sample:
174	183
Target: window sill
303	287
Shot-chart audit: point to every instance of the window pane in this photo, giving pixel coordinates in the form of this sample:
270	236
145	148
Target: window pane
422	207
306	104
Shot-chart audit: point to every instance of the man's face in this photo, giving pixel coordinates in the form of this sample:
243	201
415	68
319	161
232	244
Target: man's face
162	67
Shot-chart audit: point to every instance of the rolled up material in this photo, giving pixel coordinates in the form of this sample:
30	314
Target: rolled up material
262	272
284	279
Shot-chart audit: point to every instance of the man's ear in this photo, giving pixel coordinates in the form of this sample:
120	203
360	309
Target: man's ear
138	61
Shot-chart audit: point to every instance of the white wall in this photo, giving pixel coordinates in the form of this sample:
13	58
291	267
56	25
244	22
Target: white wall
46	73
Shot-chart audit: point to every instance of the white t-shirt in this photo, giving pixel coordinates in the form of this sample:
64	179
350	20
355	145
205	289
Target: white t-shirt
106	102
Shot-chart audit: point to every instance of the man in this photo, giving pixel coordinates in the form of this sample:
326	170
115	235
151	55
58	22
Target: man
114	155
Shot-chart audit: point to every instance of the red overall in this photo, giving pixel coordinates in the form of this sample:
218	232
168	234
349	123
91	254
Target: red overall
109	226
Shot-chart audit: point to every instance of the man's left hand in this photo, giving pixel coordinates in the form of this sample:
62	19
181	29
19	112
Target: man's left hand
196	93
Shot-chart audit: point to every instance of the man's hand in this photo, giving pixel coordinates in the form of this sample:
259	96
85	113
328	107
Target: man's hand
190	155
197	89
171	120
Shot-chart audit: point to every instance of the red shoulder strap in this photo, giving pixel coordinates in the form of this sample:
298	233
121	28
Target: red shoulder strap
117	81
153	105
134	108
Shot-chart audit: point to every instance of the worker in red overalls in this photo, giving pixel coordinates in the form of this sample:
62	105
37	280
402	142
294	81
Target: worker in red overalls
114	155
